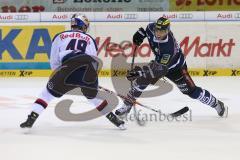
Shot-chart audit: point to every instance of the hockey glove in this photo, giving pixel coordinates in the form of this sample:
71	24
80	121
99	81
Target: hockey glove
139	36
134	74
157	70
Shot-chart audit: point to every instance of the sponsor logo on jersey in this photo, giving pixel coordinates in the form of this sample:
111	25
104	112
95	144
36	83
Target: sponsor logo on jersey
75	35
165	59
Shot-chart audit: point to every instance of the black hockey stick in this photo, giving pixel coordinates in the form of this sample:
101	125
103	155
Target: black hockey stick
139	122
175	114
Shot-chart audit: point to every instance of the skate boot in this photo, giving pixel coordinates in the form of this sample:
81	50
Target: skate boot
116	121
30	121
221	109
126	107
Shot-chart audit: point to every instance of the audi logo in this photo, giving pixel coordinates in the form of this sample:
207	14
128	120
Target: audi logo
237	15
58	1
186	16
21	17
130	16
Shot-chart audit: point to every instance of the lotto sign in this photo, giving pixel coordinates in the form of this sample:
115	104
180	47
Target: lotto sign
205	5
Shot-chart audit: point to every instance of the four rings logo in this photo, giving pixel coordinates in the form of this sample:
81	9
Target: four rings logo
237	15
185	15
21	17
130	16
59	1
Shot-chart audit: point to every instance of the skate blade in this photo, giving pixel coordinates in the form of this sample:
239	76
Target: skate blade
122	127
26	130
122	117
225	114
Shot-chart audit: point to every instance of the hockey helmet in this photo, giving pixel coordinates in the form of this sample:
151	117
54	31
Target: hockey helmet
162	24
80	21
161	28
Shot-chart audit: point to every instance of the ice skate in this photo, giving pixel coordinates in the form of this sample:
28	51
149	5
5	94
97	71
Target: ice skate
30	120
221	109
124	110
116	121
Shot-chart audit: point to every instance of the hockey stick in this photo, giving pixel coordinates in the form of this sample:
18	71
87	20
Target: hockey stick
174	114
139	122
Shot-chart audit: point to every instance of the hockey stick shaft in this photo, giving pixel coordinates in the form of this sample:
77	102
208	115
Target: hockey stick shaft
175	114
135	110
126	98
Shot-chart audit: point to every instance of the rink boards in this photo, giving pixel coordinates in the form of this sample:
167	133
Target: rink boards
118	73
211	46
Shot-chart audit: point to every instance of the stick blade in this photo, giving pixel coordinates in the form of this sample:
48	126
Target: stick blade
180	112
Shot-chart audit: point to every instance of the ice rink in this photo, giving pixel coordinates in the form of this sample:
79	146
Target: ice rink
204	137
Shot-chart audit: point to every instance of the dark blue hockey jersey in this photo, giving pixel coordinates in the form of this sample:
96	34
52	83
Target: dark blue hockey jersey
167	52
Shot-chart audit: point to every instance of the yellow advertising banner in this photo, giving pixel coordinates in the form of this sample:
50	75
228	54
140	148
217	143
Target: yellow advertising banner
204	5
26	47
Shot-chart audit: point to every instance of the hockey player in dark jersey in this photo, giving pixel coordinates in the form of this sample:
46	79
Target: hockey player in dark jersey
169	62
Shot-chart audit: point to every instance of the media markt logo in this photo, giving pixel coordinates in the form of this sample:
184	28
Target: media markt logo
59	1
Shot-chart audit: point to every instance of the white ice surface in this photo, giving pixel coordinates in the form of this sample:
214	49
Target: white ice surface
206	137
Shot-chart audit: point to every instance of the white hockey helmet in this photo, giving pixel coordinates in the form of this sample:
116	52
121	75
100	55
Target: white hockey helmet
80	21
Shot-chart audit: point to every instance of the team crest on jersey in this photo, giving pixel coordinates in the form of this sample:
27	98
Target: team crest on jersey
165	59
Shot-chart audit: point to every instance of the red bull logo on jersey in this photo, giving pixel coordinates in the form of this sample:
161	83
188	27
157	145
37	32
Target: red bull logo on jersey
76	35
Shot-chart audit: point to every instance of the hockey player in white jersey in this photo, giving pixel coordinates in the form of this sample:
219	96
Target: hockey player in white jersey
71	48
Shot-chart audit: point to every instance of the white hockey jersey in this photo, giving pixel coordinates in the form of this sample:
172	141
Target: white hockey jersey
67	41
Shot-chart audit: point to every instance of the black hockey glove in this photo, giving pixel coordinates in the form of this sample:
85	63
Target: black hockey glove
134	74
139	36
157	70
152	70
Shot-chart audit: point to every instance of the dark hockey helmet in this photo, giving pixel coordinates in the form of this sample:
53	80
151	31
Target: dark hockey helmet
80	21
162	24
161	28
